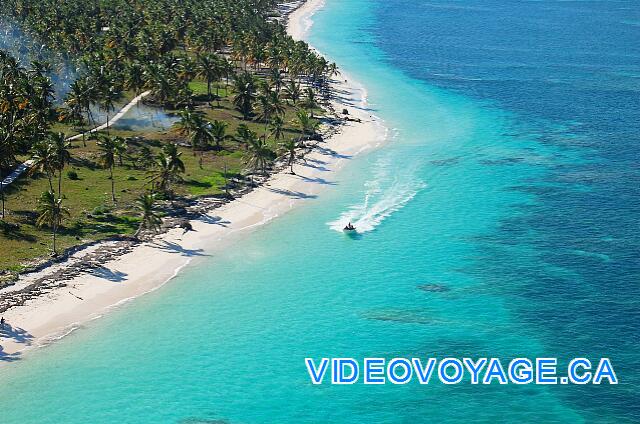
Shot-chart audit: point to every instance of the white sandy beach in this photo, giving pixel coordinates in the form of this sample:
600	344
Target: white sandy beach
149	265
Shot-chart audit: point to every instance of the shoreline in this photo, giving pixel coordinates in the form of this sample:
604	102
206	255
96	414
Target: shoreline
148	266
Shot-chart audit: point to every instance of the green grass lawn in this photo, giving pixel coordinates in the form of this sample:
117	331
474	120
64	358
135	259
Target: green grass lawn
93	214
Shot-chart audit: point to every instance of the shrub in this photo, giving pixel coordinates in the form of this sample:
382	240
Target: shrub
100	210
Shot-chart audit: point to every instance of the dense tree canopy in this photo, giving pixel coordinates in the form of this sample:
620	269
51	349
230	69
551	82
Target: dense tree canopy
116	49
25	107
157	45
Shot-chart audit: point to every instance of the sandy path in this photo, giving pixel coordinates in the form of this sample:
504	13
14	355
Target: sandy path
27	164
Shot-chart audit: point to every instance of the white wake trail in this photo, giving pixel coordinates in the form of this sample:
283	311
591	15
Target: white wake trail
385	194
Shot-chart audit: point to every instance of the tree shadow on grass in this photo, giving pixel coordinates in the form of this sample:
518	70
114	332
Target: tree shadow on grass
195	183
25	216
20	183
83	163
107	225
13	232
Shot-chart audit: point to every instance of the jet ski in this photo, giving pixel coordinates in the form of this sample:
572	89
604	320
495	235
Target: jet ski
349	228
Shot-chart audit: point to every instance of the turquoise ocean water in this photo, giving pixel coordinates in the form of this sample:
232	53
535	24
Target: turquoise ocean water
509	182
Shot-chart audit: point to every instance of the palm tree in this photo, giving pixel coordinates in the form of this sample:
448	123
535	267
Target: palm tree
189	124
162	33
293	91
149	219
61	154
200	135
108	150
2	192
158	80
308	126
78	100
219	133
8	149
207	67
276	78
44	160
174	161
245	87
164	173
265	107
134	78
51	214
197	128
259	155
289	147
120	146
108	96
226	69
310	101
244	135
332	70
277	128
277	105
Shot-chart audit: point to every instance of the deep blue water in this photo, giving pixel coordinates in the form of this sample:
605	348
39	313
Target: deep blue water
570	72
509	182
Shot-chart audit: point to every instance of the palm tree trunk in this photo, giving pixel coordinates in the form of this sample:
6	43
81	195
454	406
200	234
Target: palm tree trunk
55	230
113	186
226	179
2	190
